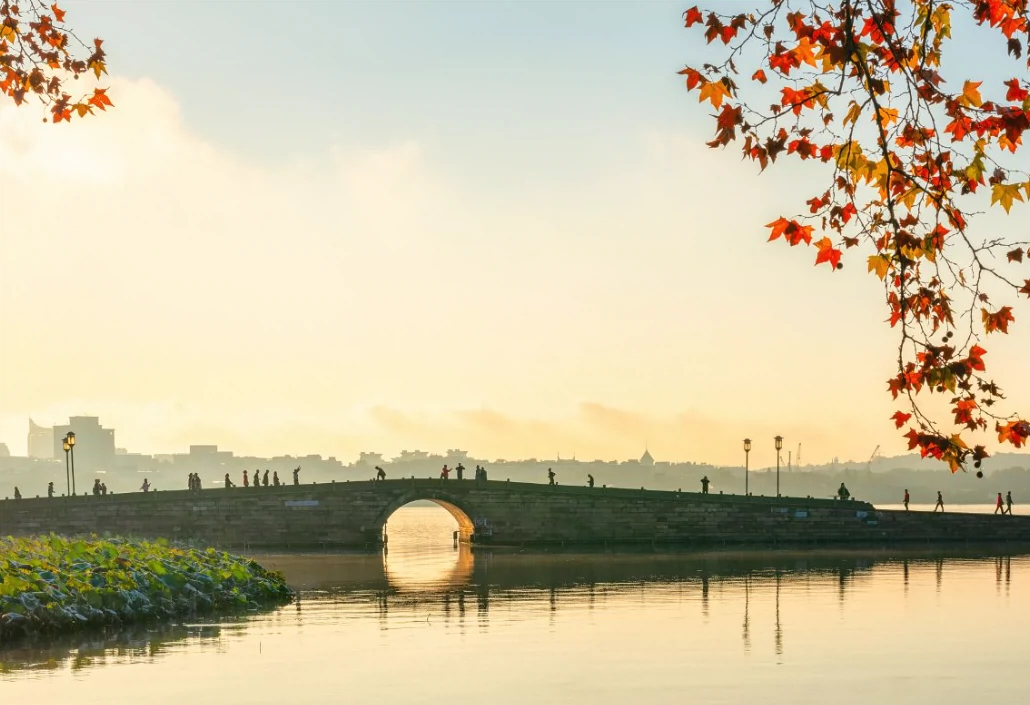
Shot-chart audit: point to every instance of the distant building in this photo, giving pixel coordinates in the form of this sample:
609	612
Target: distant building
370	459
454	454
94	444
41	441
646	458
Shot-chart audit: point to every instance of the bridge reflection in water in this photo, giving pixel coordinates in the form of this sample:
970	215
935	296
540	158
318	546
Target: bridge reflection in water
460	586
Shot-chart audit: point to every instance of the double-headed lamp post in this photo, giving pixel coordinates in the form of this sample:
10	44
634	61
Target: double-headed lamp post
779	447
747	453
70	439
67	472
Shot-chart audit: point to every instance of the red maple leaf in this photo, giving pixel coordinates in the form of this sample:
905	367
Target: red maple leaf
827	253
900	418
1016	92
692	16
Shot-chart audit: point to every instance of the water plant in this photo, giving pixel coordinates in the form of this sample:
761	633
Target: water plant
51	584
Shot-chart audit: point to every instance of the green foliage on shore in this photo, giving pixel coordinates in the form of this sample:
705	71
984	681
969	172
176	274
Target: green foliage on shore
52	584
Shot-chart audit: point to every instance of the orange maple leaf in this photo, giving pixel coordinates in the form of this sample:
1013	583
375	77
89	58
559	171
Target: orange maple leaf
827	253
999	320
791	230
58	12
99	99
759	76
714	91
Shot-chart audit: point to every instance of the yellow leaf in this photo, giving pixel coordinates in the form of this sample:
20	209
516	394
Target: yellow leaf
82	109
879	264
887	116
714	91
854	112
971	94
8	33
1006	193
803	52
98	68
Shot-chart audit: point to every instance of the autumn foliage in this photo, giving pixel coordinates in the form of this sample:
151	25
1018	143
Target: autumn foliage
40	56
858	87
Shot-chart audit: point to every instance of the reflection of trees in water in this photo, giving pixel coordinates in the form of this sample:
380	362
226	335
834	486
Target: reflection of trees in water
515	580
140	643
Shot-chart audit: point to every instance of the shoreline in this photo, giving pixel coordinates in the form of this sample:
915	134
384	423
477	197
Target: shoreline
52	585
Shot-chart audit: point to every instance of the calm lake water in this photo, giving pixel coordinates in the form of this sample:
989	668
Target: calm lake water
430	623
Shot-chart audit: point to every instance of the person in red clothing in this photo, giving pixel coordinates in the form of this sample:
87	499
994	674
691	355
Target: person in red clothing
246	482
1000	506
906	500
445	473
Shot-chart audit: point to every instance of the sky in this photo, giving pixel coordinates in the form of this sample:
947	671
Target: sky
342	227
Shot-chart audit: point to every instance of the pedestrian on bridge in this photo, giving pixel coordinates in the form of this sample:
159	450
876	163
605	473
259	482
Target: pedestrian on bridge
1008	501
590	480
103	489
940	502
50	490
445	472
275	478
1000	505
145	487
17	492
228	482
550	476
704	484
905	501
296	476
380	474
246	481
460	469
264	480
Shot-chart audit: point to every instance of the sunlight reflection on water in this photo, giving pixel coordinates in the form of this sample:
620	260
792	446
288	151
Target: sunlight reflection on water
600	628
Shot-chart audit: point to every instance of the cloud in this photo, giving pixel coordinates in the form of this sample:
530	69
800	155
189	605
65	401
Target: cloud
382	297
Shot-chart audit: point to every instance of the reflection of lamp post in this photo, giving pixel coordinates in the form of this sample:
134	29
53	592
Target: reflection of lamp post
779	447
71	442
67	472
747	453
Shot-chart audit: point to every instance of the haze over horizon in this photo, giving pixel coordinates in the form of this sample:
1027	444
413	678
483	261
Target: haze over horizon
404	230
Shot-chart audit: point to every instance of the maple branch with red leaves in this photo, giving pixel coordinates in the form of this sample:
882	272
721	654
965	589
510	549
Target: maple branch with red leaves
905	195
36	60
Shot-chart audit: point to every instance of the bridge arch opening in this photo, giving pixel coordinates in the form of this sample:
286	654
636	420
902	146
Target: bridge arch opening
419	547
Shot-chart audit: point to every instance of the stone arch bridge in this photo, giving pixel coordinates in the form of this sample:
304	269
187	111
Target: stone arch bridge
352	515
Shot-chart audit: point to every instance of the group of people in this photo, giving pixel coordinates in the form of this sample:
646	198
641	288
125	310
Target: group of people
194	484
259	480
99	488
445	472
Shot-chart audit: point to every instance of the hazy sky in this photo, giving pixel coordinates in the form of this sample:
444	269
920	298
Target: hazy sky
335	227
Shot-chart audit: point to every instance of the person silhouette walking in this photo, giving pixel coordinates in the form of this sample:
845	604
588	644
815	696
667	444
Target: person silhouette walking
940	502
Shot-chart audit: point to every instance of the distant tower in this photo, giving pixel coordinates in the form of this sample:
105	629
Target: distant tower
646	458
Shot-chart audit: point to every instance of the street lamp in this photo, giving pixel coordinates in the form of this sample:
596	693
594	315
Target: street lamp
747	453
67	472
779	447
70	438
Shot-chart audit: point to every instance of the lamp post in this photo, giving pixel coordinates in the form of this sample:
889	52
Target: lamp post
71	443
747	454
67	472
779	447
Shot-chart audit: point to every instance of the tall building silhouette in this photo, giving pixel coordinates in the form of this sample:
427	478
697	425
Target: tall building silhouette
41	441
94	444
